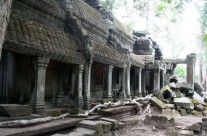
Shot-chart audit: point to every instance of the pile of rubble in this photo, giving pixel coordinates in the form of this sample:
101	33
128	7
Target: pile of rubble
186	98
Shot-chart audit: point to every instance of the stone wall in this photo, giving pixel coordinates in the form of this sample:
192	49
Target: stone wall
5	6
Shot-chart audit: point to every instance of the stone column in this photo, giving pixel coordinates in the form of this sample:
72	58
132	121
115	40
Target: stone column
140	82
136	82
109	87
80	86
5	6
143	83
38	96
156	80
87	85
128	81
162	76
123	84
191	59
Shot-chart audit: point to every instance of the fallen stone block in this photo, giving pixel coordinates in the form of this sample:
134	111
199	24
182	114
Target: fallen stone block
204	113
184	102
185	88
195	127
199	107
158	103
199	99
198	88
106	126
15	110
186	132
170	106
115	123
167	92
94	125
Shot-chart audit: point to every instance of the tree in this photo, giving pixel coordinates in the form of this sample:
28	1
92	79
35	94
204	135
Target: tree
5	9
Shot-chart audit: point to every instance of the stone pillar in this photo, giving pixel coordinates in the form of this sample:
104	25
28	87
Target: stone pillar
128	81
191	59
143	83
38	97
162	76
156	80
87	85
136	82
60	96
80	86
123	84
140	82
5	6
109	87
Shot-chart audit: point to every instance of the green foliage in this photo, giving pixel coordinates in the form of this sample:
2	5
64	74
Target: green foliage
180	71
107	4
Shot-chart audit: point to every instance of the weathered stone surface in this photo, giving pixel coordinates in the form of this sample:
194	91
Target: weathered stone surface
184	102
115	123
186	132
171	131
195	127
159	104
183	112
198	88
157	121
185	88
106	126
170	106
118	112
172	85
85	132
167	92
167	112
204	113
200	99
130	121
199	107
94	125
15	110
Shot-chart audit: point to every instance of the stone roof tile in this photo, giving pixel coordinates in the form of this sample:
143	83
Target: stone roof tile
57	44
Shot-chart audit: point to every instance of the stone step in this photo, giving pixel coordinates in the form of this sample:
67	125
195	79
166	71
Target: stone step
93	125
115	123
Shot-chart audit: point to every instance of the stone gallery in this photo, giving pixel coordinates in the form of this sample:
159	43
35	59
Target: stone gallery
72	53
70	67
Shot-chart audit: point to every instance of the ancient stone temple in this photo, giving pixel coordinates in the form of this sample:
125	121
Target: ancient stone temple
71	53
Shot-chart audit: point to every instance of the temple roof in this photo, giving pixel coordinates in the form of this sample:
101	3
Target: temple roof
87	14
136	60
108	55
26	36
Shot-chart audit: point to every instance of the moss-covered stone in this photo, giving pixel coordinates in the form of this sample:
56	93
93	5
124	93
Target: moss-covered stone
54	112
194	112
195	101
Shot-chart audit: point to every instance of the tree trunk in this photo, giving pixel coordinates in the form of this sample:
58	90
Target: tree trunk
5	9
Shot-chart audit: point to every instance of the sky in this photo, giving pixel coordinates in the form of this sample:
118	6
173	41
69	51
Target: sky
188	28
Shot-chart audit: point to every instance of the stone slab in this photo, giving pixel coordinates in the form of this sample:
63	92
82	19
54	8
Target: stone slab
130	121
184	102
15	110
115	123
158	103
106	126
85	132
41	129
186	133
94	125
200	99
118	112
